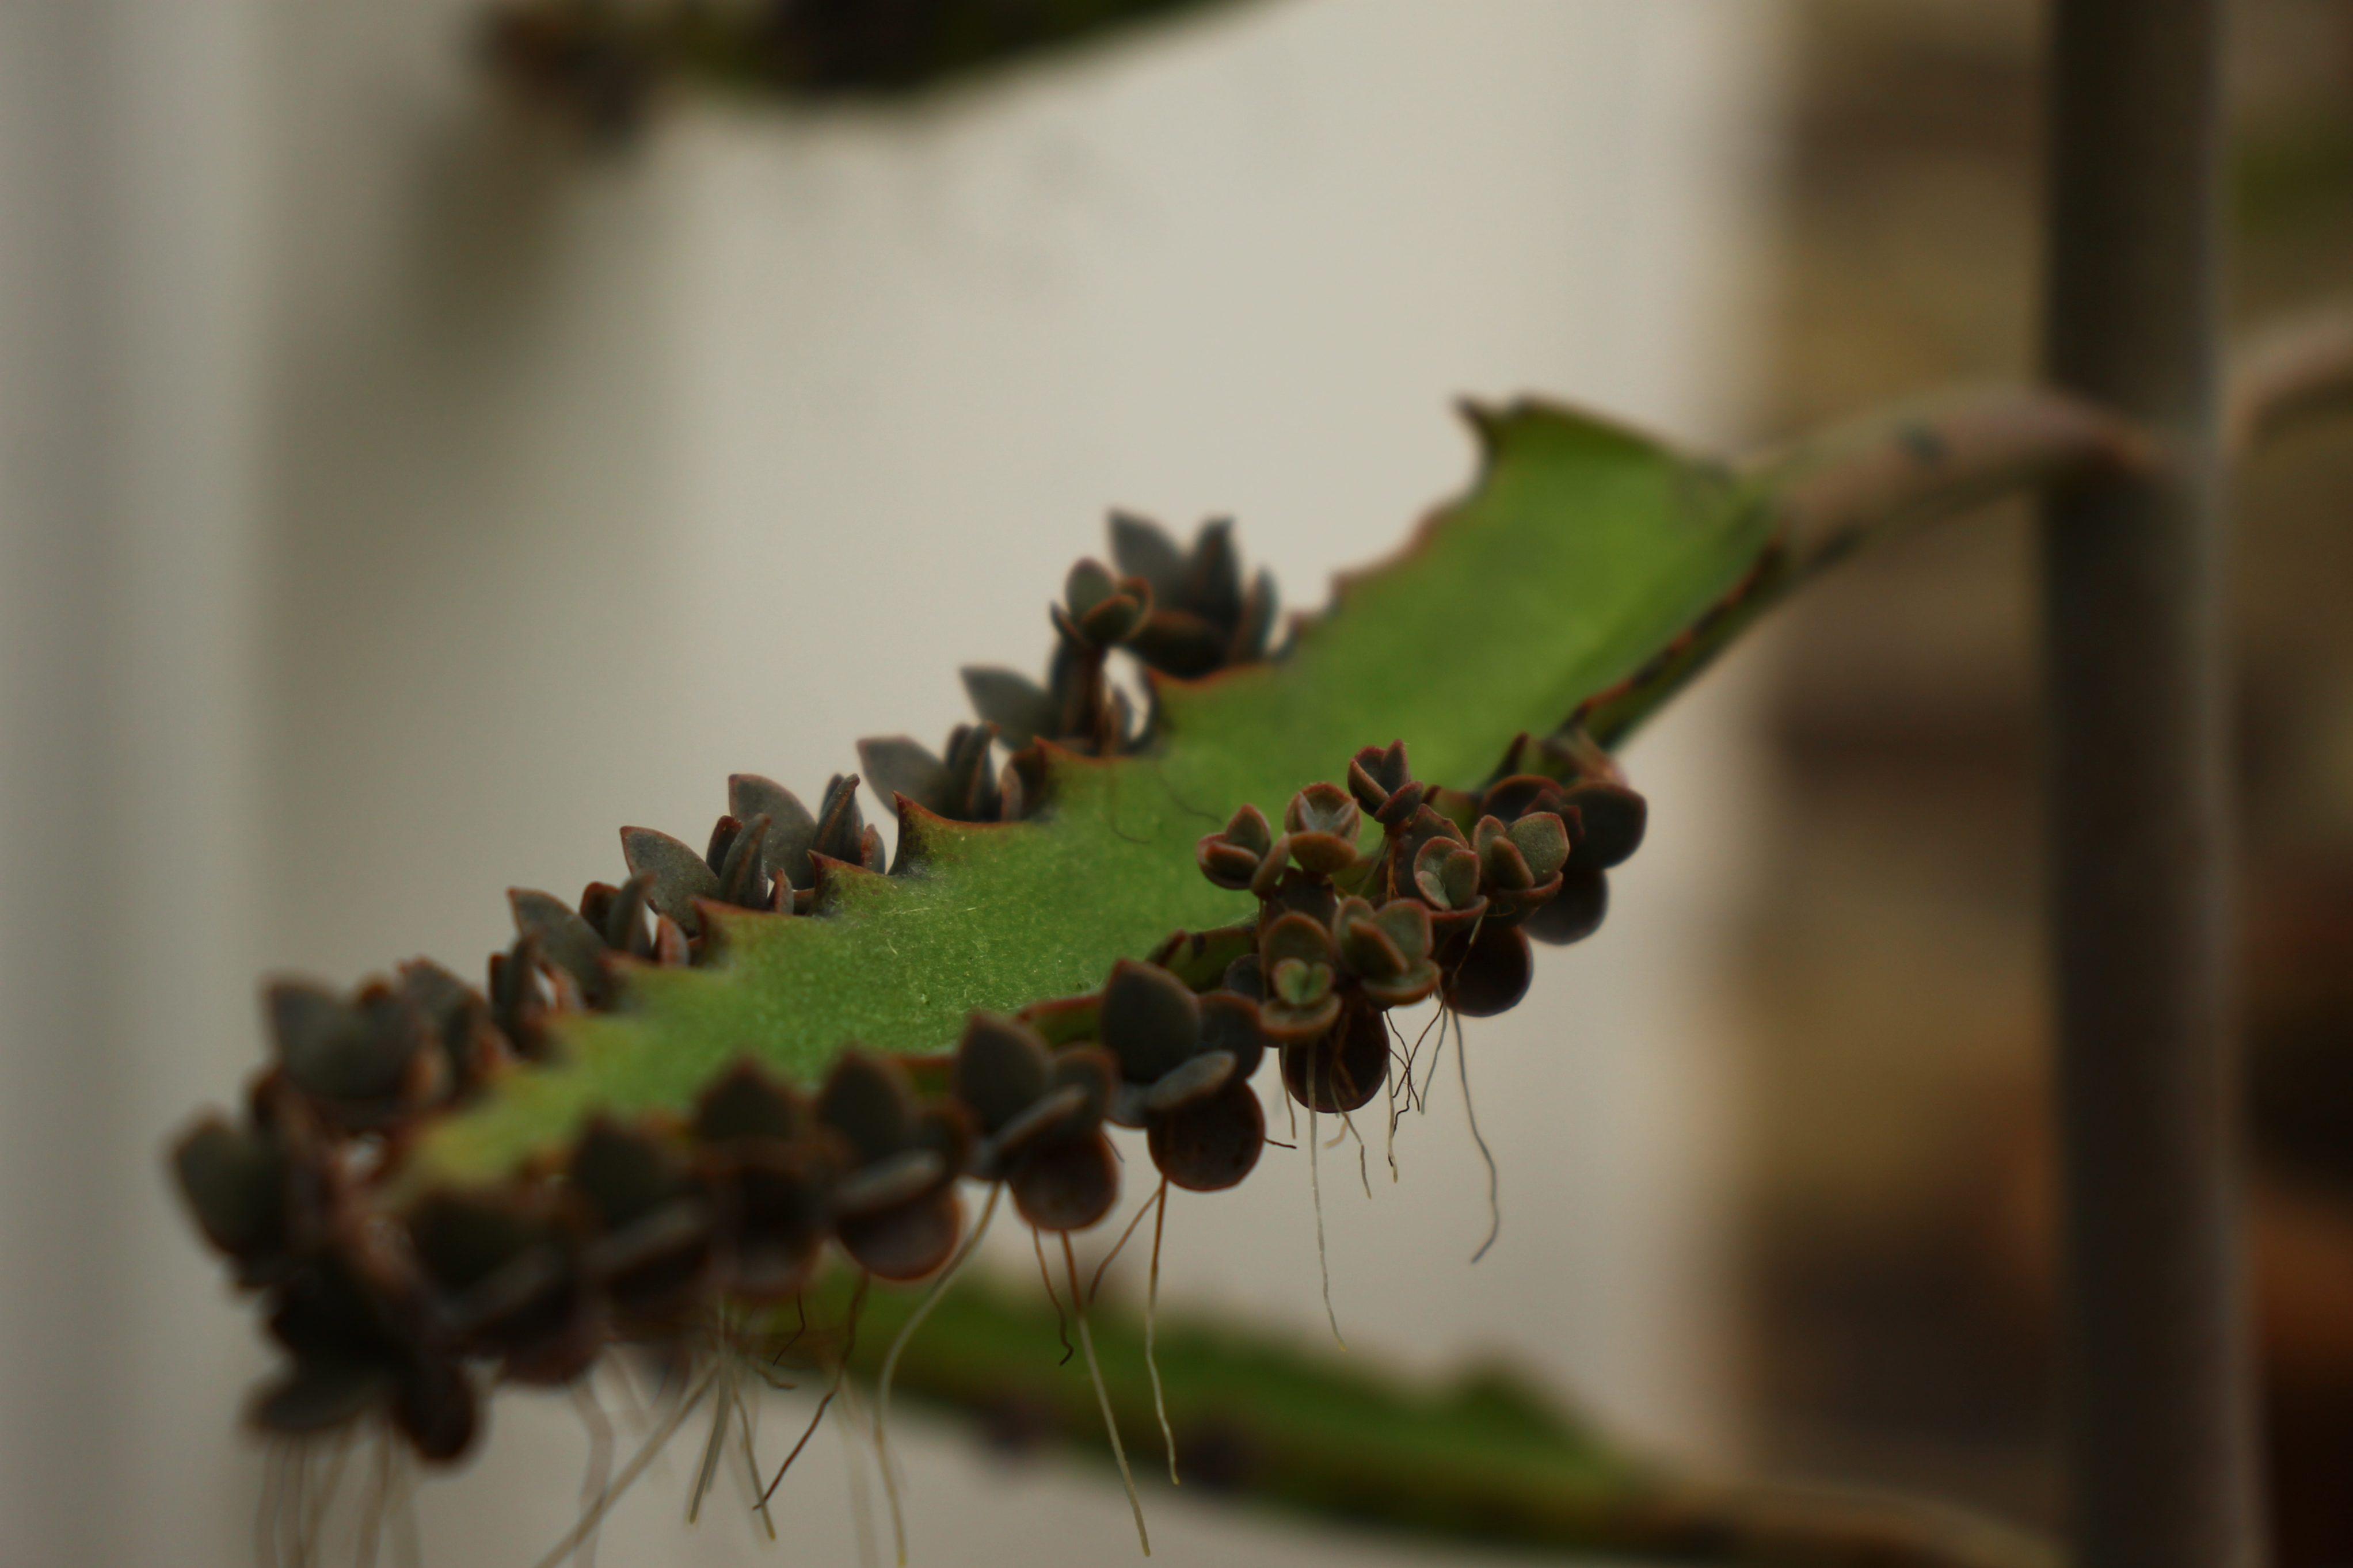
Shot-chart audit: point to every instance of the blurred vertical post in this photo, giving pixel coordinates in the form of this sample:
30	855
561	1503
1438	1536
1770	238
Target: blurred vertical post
2160	1436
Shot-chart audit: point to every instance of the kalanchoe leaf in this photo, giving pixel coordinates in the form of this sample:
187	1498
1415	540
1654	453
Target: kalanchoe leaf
434	1405
1232	857
1066	1183
907	1242
518	1004
1246	977
1365	948
743	878
973	790
1382	783
896	766
732	1191
1088	585
1341	1068
1215	589
1142	548
1321	824
365	1062
619	915
841	833
1402	973
1517	795
791	829
1058	1108
1150	1022
458	1016
505	1276
1542	839
900	1216
1267	881
1301	1004
890	1182
1196	1079
1200	619
1002	1069
320	1394
565	940
235	1181
1178	643
1021	710
1211	1145
1493	975
747	1102
1408	842
869	1102
679	875
774	1207
653	1244
1103	609
1575	912
1613	818
1446	872
623	1176
1255	626
1503	868
1229	1024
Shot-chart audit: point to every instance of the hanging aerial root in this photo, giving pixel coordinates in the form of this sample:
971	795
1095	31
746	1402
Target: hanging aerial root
891	1366
1494	1197
723	1406
751	1464
1323	1255
824	1402
653	1444
1151	1312
599	1428
1102	1397
1095	1283
1061	1322
851	1428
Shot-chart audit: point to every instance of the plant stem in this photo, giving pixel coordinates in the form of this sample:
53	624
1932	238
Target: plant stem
2159	1425
2287	374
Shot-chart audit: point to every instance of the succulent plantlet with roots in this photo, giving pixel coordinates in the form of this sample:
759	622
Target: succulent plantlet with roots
675	1099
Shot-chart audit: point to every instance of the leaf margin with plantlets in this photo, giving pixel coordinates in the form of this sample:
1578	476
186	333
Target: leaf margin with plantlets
619	1211
1119	828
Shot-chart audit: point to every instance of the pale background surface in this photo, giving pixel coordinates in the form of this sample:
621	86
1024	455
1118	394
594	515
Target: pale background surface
395	505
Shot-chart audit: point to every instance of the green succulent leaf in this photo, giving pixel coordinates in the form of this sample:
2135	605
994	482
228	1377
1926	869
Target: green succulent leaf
1579	556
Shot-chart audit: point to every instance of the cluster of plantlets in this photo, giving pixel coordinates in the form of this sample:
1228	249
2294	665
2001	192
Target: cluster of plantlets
384	1305
657	1118
642	1227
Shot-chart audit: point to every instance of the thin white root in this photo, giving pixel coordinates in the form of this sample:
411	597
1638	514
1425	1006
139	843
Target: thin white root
891	1366
852	1427
751	1461
1494	1198
1322	1255
661	1433
1364	1167
600	1458
721	1407
1102	1396
1151	1315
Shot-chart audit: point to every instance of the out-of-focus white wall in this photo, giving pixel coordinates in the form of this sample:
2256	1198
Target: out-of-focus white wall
400	504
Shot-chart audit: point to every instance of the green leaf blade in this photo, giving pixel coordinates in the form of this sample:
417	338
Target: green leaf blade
1582	552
